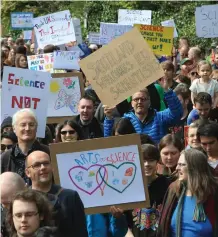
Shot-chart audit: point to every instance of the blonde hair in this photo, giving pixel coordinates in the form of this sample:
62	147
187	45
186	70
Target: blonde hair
203	62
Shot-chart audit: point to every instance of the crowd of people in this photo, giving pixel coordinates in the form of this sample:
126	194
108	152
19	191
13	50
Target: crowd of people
181	169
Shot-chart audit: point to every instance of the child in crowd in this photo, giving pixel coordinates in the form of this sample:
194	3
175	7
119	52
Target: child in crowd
214	75
192	138
205	83
215	64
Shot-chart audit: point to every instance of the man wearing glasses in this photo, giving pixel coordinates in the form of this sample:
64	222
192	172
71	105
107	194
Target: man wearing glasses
24	123
145	119
70	217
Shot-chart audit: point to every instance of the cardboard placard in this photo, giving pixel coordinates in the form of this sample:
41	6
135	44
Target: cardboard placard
66	89
120	69
104	171
55	28
94	38
110	31
21	20
131	17
26	89
206	21
170	23
66	60
159	38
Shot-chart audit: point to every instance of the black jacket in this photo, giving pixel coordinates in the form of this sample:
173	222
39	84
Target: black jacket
91	130
9	158
72	221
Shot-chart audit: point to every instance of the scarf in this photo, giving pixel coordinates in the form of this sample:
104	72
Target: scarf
199	214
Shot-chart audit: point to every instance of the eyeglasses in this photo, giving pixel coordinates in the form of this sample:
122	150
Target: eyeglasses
70	132
140	99
18	216
3	147
38	165
181	164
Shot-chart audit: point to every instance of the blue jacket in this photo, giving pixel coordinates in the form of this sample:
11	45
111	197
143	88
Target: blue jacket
105	225
156	123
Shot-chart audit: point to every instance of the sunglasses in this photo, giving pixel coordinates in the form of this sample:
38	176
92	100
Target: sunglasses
194	73
70	132
3	147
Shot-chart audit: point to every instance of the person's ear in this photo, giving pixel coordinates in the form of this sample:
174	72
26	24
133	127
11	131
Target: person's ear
27	172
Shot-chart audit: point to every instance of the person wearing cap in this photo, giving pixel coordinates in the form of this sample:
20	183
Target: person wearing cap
8	140
6	125
184	66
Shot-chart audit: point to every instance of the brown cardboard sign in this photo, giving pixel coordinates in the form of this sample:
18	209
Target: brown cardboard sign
104	171
121	68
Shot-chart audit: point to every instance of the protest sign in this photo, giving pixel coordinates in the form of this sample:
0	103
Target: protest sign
41	62
94	38
26	89
159	38
77	29
21	20
206	21
121	68
75	49
27	34
56	28
110	31
131	17
170	23
66	90
66	60
105	172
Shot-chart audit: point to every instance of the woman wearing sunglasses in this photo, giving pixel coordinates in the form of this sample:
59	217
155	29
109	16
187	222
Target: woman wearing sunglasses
69	131
8	139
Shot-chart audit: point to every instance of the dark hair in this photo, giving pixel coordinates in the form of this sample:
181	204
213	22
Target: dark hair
150	152
3	55
6	46
168	64
88	97
201	181
184	79
203	98
73	125
48	139
20	41
50	48
20	50
123	126
17	60
170	139
9	135
209	129
145	139
46	231
183	90
42	204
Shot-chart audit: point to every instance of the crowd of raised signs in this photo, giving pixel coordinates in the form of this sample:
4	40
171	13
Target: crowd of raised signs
177	119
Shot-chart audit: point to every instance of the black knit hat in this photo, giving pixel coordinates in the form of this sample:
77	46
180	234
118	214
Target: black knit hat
10	135
7	122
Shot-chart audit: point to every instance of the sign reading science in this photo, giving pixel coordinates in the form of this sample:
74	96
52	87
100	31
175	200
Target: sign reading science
56	28
121	68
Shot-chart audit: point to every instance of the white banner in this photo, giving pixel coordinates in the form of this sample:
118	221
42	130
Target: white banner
66	60
78	32
56	28
131	17
170	23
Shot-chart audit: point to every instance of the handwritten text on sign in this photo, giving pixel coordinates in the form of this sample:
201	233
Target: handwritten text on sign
64	96
56	28
66	60
159	38
122	68
110	31
104	176
26	89
21	20
41	62
131	17
206	18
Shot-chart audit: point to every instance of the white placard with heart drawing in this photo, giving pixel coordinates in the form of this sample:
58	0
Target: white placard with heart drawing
102	177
